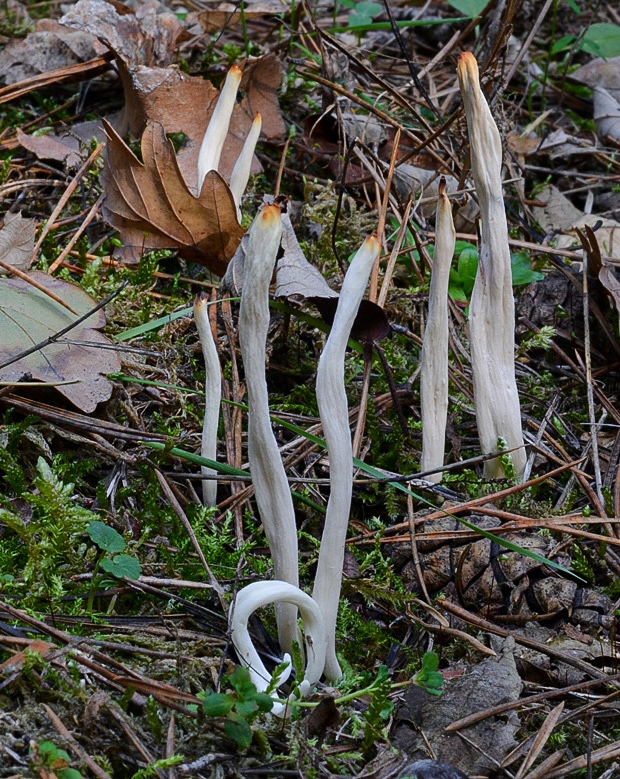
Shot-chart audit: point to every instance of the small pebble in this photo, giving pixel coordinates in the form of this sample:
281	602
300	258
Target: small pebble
430	769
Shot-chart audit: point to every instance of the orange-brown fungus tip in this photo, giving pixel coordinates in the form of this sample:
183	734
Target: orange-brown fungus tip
442	186
467	66
235	70
271	213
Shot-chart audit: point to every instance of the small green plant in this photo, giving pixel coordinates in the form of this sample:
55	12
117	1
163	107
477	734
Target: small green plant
581	564
379	709
51	539
112	543
506	459
541	340
601	40
239	707
50	760
463	275
362	12
159	765
429	678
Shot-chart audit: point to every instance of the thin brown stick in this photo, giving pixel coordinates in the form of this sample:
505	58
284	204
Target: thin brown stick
92	213
490	627
73	745
541	697
178	510
64	199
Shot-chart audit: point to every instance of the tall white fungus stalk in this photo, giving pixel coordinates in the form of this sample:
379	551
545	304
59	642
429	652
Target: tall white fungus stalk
491	311
434	357
213	397
273	495
334	411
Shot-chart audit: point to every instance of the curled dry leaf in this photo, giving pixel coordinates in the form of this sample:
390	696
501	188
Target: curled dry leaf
607	114
153	208
17	241
219	15
297	278
145	37
561	218
49	47
84	356
143	45
69	147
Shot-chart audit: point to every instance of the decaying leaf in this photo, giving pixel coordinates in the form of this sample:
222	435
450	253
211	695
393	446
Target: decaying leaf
607	114
223	14
17	241
559	215
600	73
66	146
143	44
295	276
143	37
49	47
153	208
184	104
28	316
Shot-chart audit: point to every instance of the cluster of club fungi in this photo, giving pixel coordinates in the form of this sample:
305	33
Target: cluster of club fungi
491	327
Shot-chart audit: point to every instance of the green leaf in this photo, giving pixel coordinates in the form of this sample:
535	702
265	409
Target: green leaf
49	751
428	677
122	565
455	290
106	538
241	681
602	40
156	324
467	267
238	730
263	701
522	272
246	708
563	43
217	704
368	8
364	12
460	246
469	7
68	773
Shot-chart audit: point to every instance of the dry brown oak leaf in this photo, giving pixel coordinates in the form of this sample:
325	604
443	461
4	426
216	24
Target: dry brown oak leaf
153	208
143	43
84	356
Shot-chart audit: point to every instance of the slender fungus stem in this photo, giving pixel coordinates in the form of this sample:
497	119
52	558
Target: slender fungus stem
434	358
491	311
213	396
334	412
217	130
273	496
243	166
260	594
